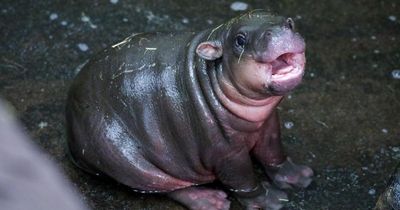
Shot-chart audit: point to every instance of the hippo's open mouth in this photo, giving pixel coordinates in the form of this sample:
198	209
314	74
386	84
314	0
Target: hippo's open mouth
287	67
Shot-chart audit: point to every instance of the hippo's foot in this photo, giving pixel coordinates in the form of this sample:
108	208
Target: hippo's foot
288	174
273	199
198	198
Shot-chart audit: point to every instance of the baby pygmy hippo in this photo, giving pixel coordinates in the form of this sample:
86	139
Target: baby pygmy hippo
168	112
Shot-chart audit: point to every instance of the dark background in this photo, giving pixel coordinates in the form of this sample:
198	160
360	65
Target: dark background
345	115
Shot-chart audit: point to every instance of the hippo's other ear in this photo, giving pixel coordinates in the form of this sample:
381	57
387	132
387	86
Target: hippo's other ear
209	50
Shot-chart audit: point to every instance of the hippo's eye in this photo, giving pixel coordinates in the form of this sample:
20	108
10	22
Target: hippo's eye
240	40
290	23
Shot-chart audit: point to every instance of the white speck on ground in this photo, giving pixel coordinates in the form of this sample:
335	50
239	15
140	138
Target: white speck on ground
86	19
392	18
298	17
239	6
372	191
373	37
396	74
288	125
384	130
53	16
83	47
354	39
374	65
185	20
64	23
396	149
312	74
210	22
113	1
125	19
150	16
289	96
376	51
43	124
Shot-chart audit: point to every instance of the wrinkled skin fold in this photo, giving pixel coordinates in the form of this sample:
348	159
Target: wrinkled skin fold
166	112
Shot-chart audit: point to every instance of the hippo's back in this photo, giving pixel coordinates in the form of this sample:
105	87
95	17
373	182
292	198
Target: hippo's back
130	115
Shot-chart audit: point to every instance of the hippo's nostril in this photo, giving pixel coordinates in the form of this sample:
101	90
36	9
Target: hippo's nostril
290	23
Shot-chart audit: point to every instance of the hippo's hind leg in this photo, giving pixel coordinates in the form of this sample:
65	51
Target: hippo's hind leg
201	198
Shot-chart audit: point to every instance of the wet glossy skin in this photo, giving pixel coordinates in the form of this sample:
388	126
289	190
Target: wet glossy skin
165	112
390	198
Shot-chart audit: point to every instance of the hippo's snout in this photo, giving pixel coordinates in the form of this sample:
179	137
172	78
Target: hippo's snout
279	40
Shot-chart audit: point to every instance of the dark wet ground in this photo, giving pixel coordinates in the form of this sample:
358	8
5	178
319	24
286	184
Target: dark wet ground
345	115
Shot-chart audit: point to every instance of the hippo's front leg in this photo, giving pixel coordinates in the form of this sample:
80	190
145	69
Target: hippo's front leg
280	169
236	172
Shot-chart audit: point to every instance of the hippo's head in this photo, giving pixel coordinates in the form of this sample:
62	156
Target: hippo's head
262	54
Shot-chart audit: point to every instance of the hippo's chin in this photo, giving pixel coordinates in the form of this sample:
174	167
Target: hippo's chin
283	86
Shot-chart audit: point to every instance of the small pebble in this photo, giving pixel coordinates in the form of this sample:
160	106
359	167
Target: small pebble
125	20
64	23
384	130
113	1
372	191
288	125
374	65
376	51
185	20
373	37
239	6
85	18
298	17
83	47
392	18
53	16
43	125
210	22
396	74
312	75
396	149
289	96
354	39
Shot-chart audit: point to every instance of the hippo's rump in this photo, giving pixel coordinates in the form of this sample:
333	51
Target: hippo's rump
131	116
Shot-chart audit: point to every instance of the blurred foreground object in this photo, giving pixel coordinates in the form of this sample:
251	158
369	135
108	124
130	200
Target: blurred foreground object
28	179
390	199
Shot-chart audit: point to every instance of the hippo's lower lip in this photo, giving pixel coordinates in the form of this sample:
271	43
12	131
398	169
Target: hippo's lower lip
287	66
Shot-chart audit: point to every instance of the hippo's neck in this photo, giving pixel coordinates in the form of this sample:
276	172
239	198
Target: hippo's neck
256	111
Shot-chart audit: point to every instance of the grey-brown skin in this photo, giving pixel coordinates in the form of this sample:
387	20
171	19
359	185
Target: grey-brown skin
390	198
166	112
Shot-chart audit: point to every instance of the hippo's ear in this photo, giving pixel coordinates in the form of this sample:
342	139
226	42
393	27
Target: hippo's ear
209	50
